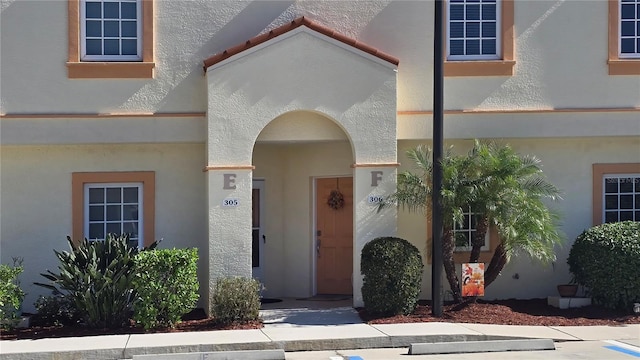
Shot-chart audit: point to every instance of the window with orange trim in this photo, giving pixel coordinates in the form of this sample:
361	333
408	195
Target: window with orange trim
624	37
616	192
114	202
110	39
480	38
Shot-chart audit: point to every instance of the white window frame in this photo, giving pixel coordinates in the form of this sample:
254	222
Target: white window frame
498	38
635	55
470	231
86	205
83	37
633	193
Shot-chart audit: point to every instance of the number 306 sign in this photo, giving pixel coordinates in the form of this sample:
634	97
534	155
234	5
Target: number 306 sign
231	202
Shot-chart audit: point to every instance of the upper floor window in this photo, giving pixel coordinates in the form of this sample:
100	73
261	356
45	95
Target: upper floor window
629	28
111	30
473	30
480	38
110	39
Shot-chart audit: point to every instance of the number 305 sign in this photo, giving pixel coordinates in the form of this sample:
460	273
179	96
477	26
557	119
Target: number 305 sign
231	202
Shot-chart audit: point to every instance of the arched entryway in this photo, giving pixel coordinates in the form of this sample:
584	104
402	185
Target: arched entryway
330	110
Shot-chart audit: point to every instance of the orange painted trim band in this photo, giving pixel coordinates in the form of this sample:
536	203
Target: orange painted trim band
110	70
624	67
100	116
229	167
362	165
524	111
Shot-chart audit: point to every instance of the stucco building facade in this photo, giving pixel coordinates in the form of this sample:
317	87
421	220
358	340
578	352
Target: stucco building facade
226	125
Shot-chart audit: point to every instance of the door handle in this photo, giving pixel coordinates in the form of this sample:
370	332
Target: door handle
264	239
318	242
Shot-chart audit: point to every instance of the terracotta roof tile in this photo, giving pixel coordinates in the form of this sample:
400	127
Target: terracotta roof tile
257	40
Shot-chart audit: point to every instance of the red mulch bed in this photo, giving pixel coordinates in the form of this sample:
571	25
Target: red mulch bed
505	312
194	321
510	312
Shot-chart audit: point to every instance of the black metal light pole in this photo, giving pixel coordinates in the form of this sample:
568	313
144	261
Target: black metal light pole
438	136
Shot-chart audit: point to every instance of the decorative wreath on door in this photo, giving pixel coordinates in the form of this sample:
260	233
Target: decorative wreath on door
336	199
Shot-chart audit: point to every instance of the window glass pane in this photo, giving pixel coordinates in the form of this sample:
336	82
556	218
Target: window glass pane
488	47
93	10
626	201
112	47
457	12
473	30
114	228
473	12
611	216
128	10
626	215
129	47
488	12
94	28
637	217
626	185
111	10
611	202
130	212
130	194
461	239
130	228
94	47
96	231
96	213
457	47
112	28
113	213
636	182
129	29
473	47
456	30
611	185
255	248
628	11
628	28
627	46
96	196
113	195
637	201
488	29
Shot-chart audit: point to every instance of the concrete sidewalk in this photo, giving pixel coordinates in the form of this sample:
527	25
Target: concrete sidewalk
306	328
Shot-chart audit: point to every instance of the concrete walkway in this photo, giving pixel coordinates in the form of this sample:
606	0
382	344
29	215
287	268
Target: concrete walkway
308	326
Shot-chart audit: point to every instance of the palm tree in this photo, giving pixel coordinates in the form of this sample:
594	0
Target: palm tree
503	189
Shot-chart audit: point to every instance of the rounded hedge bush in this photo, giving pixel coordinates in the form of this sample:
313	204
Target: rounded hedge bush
392	270
605	259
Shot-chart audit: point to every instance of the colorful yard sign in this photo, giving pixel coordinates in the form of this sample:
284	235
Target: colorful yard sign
473	279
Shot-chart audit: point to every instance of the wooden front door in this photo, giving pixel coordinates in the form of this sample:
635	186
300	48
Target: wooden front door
334	237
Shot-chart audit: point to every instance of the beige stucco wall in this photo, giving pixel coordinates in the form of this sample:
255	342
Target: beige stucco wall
35	198
567	163
557	65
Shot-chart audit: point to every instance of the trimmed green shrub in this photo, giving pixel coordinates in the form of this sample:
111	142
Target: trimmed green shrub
236	300
166	282
56	310
98	277
392	270
605	259
11	295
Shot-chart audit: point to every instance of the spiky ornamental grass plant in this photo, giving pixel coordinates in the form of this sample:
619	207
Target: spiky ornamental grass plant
503	188
98	277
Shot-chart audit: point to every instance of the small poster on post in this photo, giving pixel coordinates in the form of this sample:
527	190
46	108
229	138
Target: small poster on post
473	279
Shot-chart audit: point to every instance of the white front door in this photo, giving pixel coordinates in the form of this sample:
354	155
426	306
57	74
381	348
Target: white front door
258	238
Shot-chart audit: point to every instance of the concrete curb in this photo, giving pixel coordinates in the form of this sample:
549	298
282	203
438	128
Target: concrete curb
459	347
219	355
289	345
